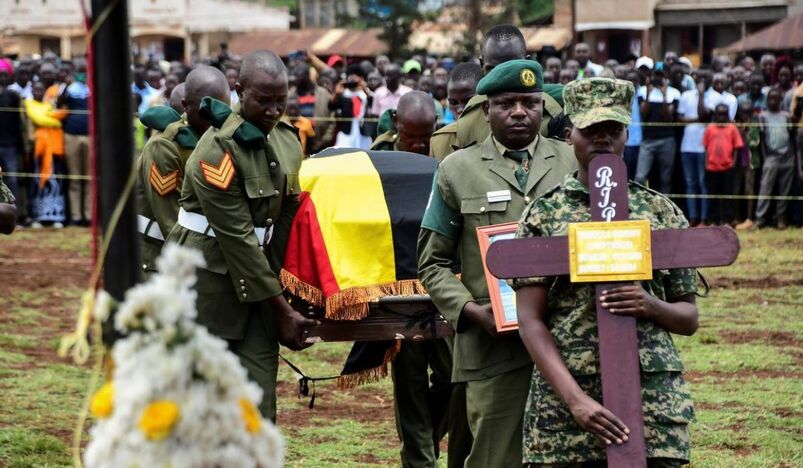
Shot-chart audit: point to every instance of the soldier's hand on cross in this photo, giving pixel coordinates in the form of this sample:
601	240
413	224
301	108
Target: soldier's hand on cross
676	315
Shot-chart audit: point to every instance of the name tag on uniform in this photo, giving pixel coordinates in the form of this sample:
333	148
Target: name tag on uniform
498	196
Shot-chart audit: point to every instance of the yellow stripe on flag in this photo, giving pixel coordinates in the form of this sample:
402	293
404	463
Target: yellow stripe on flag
353	216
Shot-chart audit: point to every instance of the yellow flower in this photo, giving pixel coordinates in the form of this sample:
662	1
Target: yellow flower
103	401
158	419
251	416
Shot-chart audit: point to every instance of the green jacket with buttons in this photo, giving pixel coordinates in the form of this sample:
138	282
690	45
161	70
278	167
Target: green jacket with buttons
239	179
160	169
388	141
472	128
458	205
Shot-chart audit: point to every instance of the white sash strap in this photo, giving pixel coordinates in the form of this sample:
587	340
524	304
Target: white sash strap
198	223
149	227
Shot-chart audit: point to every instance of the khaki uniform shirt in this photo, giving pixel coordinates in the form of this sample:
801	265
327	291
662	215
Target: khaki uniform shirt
458	205
239	179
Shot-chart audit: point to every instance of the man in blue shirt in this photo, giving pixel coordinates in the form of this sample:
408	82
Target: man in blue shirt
634	129
75	99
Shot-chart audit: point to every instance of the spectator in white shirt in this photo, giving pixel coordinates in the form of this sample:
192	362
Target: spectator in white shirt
693	112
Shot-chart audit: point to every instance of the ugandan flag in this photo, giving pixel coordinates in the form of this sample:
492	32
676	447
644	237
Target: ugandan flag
354	237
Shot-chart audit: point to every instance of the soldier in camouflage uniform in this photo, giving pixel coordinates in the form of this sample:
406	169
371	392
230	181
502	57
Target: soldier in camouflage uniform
238	200
500	44
161	165
8	210
564	423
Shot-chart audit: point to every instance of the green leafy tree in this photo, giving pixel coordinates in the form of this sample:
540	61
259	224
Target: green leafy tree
394	17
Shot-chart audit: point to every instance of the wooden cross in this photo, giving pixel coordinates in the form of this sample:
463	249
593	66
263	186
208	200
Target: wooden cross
618	341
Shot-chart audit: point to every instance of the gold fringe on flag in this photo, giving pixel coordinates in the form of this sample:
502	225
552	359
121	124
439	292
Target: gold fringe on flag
345	382
352	303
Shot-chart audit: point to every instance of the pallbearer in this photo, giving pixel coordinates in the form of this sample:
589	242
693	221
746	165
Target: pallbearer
161	165
238	198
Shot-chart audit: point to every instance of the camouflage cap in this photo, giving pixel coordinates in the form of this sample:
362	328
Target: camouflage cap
514	76
595	100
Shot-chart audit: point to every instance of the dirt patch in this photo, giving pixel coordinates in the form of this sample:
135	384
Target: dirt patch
766	282
356	404
774	338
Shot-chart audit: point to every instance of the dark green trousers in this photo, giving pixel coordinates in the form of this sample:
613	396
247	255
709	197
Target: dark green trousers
258	351
427	406
495	413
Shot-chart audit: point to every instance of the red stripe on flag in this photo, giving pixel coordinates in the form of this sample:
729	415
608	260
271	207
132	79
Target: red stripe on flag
306	257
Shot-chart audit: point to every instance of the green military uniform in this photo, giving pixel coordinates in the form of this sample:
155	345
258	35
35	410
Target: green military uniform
472	128
240	191
478	186
5	193
388	141
551	436
550	432
160	169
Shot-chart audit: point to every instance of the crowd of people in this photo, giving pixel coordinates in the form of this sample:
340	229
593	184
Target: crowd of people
678	143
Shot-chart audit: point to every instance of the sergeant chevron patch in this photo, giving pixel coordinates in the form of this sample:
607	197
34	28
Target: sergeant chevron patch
220	176
163	184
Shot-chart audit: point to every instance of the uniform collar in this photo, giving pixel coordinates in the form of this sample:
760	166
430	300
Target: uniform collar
217	112
159	117
186	137
530	148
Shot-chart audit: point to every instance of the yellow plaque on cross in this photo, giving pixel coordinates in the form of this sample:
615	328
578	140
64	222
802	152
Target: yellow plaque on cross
610	251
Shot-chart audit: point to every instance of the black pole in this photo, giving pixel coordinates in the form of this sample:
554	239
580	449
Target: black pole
114	145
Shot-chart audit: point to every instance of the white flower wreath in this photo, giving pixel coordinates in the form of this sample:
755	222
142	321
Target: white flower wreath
177	396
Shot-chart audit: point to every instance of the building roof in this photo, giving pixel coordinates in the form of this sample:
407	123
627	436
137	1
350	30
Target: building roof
346	42
537	38
162	17
783	35
615	14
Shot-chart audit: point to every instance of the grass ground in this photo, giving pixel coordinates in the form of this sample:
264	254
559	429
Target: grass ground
745	364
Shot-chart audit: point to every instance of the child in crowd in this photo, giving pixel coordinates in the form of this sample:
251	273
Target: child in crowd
777	155
306	133
749	159
722	142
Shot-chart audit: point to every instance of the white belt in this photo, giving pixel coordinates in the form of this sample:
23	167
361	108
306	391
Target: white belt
149	227
198	223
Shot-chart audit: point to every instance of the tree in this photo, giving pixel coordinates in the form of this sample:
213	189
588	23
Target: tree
394	17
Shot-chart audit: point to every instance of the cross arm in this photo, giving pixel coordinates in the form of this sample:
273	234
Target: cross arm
671	248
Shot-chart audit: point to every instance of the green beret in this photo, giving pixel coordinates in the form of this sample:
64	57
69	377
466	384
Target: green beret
594	100
514	76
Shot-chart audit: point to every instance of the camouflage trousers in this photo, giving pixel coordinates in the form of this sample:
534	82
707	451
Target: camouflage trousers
553	438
